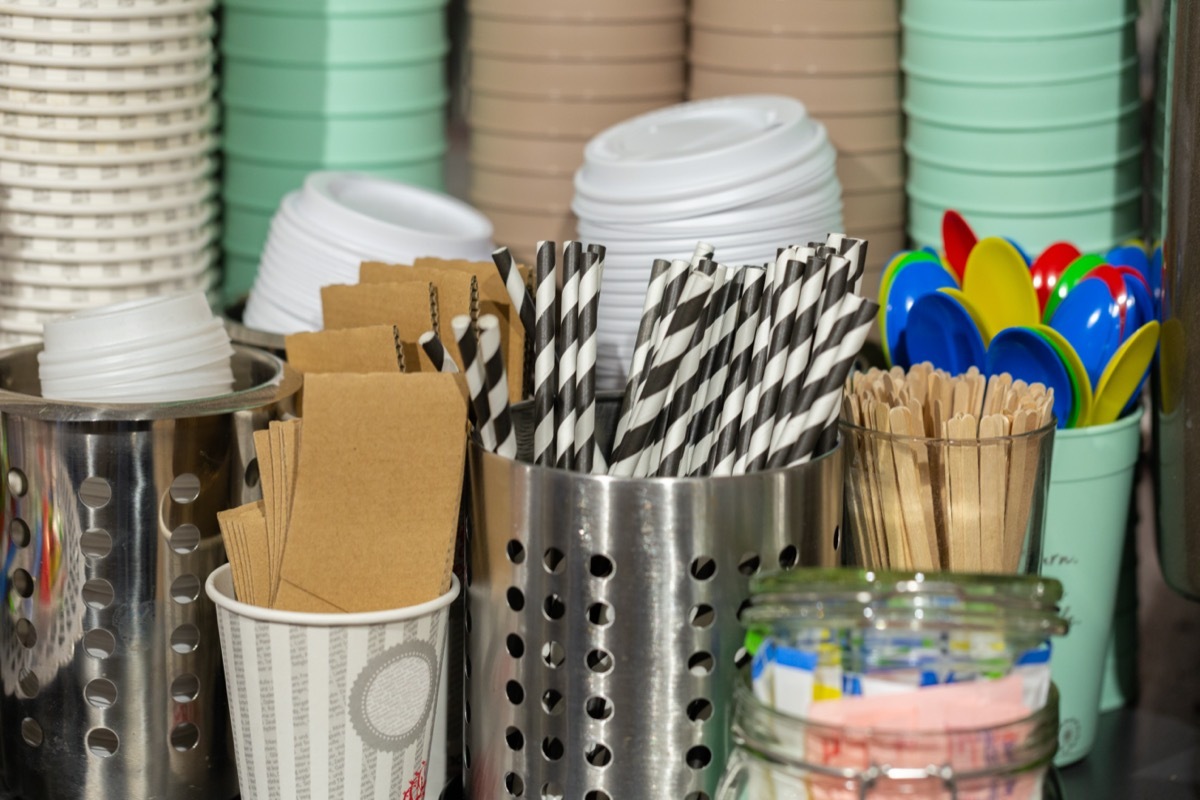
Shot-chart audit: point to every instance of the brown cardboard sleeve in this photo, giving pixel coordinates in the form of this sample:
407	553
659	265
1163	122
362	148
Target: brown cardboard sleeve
374	348
376	507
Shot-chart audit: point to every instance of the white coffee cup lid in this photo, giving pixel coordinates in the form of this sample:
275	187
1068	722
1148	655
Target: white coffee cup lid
699	146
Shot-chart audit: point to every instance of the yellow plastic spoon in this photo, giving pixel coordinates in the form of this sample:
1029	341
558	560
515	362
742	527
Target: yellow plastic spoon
1123	375
998	284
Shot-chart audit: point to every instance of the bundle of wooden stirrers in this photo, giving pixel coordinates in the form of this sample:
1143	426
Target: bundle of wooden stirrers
944	470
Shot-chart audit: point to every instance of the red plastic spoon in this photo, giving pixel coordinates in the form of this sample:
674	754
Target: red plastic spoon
958	240
1046	269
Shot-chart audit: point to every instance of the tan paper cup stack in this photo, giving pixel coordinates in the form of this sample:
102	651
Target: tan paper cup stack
546	77
841	59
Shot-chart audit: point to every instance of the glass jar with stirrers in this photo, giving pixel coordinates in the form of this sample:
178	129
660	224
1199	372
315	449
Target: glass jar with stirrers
946	473
896	638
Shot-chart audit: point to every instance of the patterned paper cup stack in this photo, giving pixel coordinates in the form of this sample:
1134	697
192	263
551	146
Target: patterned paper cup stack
841	59
547	76
310	85
106	155
1026	118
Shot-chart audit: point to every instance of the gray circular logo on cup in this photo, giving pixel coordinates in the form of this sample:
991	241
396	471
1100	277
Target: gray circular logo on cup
392	697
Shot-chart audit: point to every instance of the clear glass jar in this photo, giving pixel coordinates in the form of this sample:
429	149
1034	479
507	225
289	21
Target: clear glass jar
893	633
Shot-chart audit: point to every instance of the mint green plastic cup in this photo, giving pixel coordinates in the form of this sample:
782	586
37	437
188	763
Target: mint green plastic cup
253	184
337	8
240	271
393	38
277	139
1039	102
933	55
1048	148
1024	191
245	229
297	89
1032	19
1094	230
1091	479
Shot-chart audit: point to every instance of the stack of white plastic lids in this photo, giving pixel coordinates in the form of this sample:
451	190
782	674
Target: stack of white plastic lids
158	349
323	232
106	155
746	174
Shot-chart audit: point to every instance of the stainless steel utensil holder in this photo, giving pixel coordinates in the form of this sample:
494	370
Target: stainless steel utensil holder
602	624
112	683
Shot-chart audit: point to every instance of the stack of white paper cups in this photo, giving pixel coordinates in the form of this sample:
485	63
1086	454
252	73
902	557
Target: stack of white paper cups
106	165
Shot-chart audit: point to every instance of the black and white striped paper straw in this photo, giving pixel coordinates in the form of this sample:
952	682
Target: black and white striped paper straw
568	354
517	292
678	330
708	418
674	279
433	348
468	349
688	382
758	366
787	301
545	354
585	384
703	252
724	448
825	410
812	289
641	348
496	379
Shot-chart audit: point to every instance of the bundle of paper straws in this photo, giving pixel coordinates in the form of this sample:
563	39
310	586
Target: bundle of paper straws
735	369
561	325
740	369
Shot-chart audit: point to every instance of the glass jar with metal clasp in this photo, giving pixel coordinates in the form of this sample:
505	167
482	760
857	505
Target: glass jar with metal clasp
892	636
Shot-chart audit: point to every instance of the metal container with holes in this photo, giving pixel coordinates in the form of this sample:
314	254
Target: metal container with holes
112	683
603	618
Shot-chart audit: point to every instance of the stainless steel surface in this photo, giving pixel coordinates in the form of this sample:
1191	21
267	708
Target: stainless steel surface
240	334
603	619
112	686
1177	177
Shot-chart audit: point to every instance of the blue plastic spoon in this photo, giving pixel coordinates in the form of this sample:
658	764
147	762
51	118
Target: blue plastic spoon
1090	319
1027	356
941	331
914	281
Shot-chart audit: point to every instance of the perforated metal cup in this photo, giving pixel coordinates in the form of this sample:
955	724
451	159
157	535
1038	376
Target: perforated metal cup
109	653
603	632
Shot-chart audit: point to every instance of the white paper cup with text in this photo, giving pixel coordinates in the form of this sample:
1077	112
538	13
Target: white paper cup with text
331	705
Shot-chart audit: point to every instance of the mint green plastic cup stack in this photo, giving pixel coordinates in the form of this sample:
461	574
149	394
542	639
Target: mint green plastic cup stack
308	85
1024	115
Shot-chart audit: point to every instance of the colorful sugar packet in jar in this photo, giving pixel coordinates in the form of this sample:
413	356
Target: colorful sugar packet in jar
889	685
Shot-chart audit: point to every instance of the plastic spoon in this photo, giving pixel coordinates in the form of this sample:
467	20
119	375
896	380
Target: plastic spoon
941	331
1115	282
997	284
1124	375
959	240
1027	356
1139	306
1130	255
1091	321
1072	275
974	312
898	262
1080	381
1140	299
910	283
1047	268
